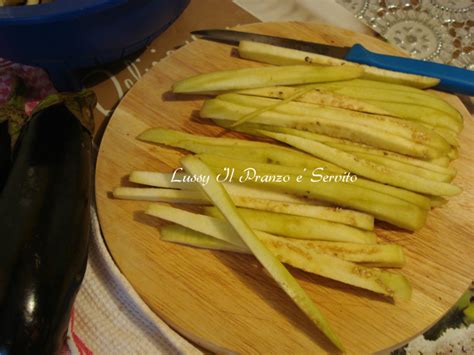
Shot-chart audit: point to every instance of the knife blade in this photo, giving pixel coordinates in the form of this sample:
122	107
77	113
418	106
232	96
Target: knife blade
234	37
452	79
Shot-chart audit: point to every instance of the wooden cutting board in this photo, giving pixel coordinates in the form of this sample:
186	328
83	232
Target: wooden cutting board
226	301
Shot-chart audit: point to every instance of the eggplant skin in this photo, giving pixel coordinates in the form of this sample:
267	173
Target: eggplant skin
4	153
44	232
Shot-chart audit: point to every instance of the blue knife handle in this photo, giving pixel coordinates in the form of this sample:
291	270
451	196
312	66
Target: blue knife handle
452	78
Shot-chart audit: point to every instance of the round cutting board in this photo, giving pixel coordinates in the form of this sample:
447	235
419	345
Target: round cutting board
226	301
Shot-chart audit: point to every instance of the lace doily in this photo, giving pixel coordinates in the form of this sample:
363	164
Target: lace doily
435	30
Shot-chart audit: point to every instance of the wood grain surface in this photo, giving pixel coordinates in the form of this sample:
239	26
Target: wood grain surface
226	301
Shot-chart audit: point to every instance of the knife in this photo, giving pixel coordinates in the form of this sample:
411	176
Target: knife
452	79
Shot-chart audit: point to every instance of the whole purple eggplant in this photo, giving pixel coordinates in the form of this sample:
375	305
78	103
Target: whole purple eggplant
44	231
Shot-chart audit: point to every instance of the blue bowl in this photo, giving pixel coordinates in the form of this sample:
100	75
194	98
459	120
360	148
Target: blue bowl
66	35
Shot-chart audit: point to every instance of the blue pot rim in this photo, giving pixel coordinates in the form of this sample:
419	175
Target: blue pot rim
59	10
